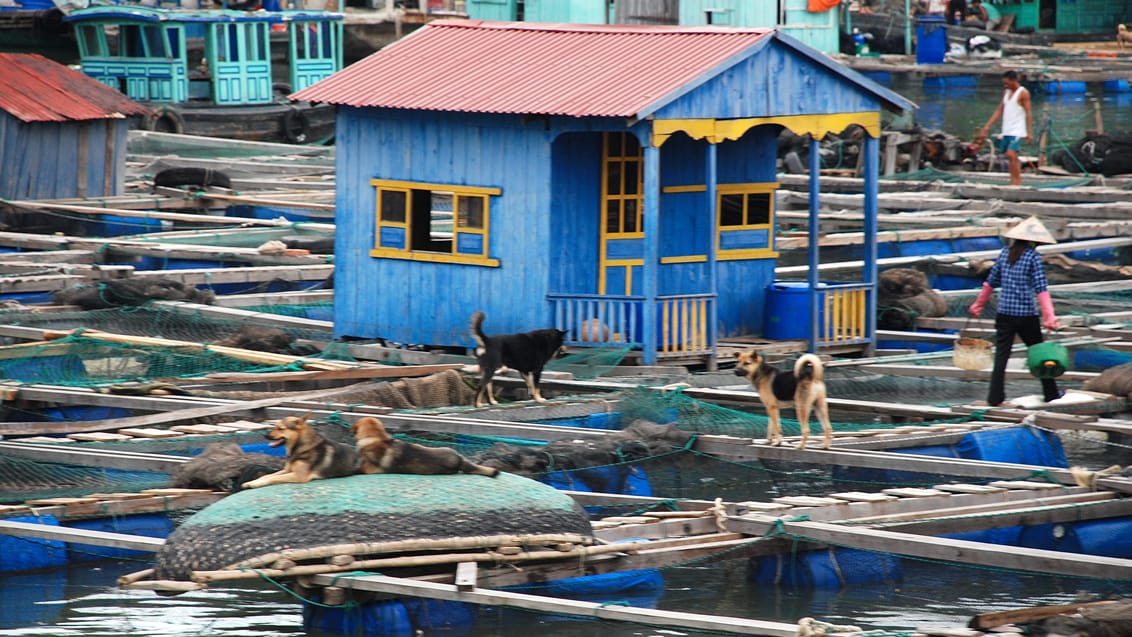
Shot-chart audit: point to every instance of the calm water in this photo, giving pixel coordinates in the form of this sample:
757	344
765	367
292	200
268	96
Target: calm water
84	601
960	109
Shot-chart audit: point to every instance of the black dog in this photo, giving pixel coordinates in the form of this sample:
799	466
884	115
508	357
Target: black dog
526	353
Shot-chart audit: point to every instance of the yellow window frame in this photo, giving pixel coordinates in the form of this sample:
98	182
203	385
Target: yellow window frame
621	196
406	226
723	190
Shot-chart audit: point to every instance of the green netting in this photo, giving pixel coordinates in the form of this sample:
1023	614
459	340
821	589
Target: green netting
589	363
22	479
78	360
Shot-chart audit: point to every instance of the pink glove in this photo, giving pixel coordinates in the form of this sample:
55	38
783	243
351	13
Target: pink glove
977	307
1049	319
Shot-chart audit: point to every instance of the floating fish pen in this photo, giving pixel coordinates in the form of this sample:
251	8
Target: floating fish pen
692	449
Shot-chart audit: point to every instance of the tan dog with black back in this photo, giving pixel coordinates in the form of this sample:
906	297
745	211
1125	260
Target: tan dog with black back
1123	35
804	387
309	455
380	452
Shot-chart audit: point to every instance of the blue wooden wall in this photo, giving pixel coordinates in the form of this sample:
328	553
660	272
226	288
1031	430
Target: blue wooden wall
545	226
57	160
431	303
796	86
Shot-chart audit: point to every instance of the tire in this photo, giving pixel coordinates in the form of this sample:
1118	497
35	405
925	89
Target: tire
165	120
190	176
296	126
280	91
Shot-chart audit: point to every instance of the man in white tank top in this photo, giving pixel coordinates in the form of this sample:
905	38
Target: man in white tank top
1014	109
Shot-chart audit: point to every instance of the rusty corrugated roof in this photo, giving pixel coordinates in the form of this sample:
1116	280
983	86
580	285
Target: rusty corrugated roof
36	89
518	67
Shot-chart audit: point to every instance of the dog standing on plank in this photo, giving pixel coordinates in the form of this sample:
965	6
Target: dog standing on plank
379	452
804	387
526	353
1123	35
309	455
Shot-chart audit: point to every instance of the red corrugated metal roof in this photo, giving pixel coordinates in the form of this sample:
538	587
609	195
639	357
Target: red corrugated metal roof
36	89
517	67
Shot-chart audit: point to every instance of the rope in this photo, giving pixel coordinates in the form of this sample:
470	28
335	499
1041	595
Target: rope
810	627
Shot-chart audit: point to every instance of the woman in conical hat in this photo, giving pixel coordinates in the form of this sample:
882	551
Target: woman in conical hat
1018	270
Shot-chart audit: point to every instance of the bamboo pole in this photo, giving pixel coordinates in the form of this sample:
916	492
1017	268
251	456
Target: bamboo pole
265	358
263	201
130	578
396	546
203	577
165	585
166	216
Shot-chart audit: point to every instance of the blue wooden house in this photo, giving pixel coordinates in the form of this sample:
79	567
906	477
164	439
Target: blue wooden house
62	134
581	176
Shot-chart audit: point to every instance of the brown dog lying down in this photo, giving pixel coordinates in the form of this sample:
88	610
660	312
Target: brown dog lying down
309	455
382	453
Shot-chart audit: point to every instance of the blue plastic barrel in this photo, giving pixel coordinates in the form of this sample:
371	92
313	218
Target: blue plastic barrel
387	618
1102	538
931	39
786	310
27	553
826	568
1019	445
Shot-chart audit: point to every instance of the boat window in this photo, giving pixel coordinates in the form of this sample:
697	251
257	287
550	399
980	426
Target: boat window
257	42
173	41
314	41
744	227
432	222
90	44
153	42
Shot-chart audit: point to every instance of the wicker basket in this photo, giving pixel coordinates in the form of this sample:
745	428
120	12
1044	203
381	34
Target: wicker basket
972	353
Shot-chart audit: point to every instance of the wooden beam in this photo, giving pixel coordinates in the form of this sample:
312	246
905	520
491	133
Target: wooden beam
986	621
234	408
111	459
937	548
81	536
539	603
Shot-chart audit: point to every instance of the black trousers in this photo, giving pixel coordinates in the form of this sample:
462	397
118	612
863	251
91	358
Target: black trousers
1029	329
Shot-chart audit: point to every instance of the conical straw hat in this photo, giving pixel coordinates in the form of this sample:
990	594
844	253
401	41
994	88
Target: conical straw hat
1030	230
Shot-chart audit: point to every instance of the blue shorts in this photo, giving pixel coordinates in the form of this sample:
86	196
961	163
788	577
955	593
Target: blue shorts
1009	142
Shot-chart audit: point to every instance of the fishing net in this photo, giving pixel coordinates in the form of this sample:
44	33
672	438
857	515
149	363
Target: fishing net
370	509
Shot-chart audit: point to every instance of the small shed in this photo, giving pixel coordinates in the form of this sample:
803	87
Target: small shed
62	134
573	176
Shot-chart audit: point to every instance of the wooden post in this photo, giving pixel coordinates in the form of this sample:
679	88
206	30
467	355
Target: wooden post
1042	139
1097	114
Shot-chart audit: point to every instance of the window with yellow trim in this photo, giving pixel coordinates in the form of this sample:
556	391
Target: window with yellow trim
624	198
745	225
433	222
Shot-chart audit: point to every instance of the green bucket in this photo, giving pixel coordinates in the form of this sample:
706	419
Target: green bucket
1047	360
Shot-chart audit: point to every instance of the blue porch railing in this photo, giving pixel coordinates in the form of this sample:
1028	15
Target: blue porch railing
684	322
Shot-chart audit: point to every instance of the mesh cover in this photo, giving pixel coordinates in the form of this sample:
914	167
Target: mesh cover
364	508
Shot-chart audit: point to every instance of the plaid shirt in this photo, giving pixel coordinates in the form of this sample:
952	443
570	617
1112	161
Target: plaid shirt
1020	282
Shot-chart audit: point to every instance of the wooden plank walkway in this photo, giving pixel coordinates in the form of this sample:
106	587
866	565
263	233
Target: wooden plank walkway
540	603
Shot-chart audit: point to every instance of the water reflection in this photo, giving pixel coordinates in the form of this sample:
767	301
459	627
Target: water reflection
960	104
